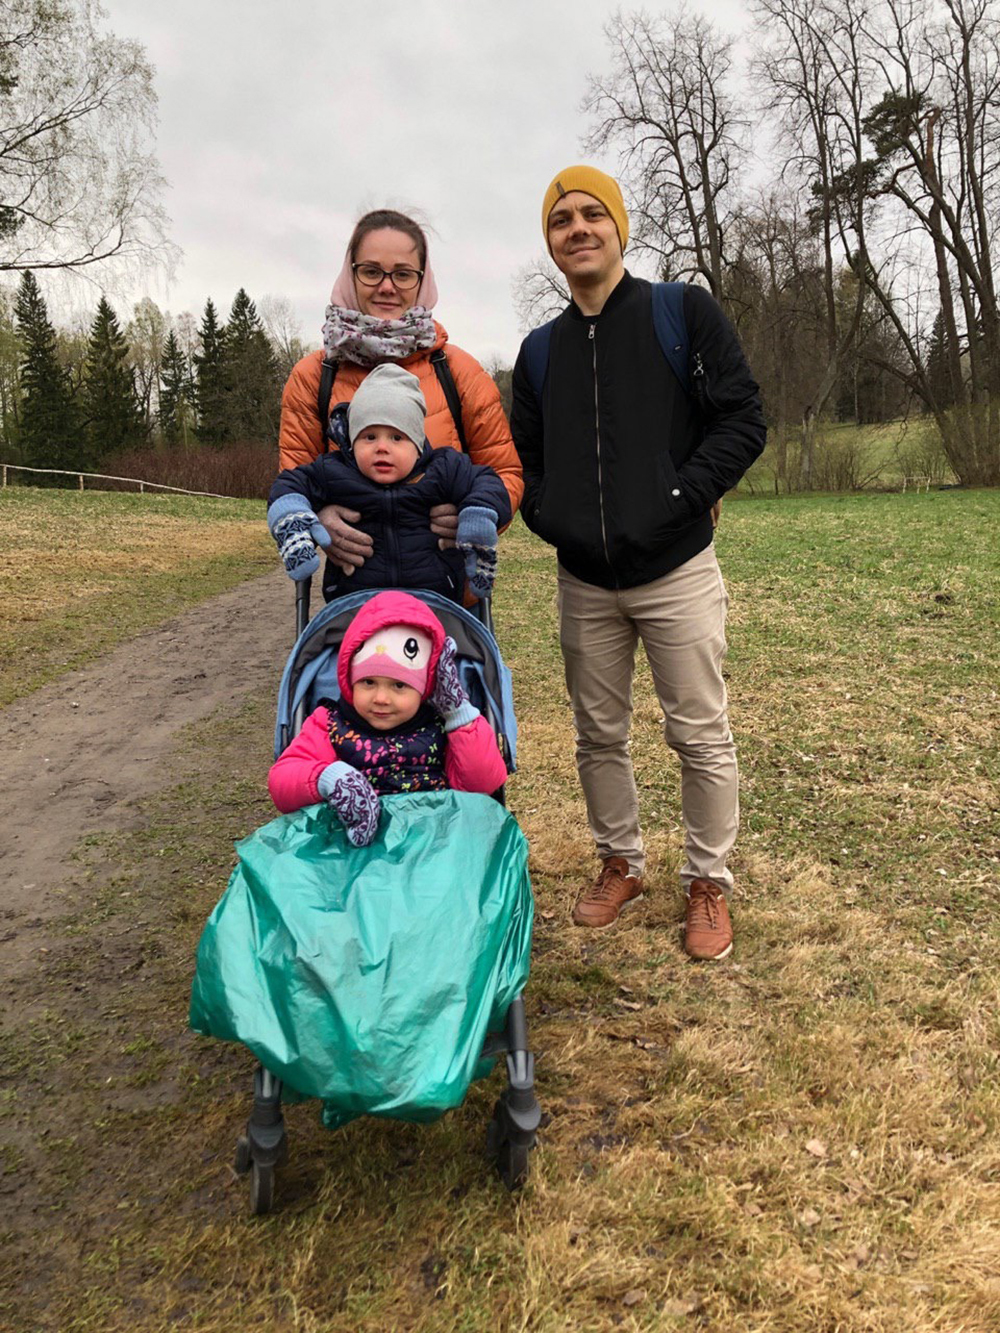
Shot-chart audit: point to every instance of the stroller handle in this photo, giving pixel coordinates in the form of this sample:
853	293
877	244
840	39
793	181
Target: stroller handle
482	610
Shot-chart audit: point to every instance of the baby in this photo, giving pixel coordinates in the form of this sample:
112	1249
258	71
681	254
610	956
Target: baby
403	723
386	470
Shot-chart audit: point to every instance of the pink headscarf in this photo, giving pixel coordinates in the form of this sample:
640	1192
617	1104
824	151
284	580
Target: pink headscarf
345	296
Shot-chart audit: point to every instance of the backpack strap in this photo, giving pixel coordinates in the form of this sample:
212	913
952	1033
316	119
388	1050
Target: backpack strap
439	361
536	355
326	377
671	329
668	324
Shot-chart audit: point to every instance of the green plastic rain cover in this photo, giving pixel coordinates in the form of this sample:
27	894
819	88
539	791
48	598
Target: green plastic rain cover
369	976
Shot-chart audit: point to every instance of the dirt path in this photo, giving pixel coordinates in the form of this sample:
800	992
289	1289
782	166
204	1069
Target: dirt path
78	753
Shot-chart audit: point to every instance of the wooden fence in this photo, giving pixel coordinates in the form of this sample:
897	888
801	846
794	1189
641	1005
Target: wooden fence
101	476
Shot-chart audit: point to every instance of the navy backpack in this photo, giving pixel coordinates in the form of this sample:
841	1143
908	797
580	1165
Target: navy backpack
671	334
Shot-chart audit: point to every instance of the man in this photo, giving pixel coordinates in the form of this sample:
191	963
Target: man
622	466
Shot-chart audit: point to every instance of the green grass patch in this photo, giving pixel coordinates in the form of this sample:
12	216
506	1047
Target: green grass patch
849	457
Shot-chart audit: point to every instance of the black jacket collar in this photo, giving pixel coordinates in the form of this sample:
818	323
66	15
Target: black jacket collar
619	292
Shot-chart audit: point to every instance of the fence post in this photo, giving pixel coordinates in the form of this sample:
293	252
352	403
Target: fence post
4	475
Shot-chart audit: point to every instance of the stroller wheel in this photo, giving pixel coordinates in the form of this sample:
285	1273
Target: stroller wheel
242	1163
512	1163
261	1189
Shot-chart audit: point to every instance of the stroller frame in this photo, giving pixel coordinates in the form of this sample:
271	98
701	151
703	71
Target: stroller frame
511	1133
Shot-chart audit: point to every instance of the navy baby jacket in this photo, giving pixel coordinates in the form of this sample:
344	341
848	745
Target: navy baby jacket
397	517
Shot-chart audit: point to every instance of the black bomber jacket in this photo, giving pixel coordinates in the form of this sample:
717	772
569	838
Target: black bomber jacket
621	465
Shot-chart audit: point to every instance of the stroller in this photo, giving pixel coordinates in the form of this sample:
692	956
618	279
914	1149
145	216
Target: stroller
309	676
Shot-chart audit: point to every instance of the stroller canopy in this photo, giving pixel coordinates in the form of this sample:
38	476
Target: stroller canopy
310	673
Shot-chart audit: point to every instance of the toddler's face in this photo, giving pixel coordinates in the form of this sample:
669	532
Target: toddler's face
383	454
385	703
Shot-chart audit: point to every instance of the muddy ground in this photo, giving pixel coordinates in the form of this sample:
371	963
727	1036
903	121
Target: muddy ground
79	753
93	1036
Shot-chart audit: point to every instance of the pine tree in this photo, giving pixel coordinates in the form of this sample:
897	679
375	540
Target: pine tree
938	373
110	403
51	434
211	398
250	374
176	393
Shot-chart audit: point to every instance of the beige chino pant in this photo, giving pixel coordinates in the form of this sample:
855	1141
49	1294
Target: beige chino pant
681	621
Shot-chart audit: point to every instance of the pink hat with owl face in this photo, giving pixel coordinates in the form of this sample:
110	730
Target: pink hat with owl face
400	652
392	635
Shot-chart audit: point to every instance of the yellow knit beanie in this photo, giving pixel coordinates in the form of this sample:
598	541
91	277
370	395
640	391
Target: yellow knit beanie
592	182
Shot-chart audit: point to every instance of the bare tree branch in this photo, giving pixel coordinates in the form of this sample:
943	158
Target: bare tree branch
79	181
666	106
540	293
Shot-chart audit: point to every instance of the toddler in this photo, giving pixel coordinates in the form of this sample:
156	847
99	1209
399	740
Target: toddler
385	469
402	723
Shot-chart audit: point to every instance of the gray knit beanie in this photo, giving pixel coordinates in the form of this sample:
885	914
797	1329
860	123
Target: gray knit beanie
389	396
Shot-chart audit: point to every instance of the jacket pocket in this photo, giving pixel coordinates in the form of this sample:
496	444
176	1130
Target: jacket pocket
673	506
670	487
535	503
542	523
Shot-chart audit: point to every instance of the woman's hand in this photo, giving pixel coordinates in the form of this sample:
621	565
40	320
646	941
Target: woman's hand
444	524
349	547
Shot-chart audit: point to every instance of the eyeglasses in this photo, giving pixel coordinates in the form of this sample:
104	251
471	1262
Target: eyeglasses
403	279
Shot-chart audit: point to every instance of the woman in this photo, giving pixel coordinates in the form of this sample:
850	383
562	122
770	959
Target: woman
380	311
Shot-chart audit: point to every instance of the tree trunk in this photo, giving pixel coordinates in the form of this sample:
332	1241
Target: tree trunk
808	448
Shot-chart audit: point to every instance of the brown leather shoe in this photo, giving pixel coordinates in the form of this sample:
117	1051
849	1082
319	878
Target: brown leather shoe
600	903
708	931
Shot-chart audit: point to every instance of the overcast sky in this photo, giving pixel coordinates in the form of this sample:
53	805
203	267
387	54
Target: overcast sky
282	120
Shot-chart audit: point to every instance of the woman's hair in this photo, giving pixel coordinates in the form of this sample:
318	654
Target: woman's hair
380	218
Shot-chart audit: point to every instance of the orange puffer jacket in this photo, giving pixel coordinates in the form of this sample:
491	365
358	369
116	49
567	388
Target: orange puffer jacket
486	431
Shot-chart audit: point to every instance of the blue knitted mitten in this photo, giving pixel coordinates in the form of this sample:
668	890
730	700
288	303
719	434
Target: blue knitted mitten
298	532
477	540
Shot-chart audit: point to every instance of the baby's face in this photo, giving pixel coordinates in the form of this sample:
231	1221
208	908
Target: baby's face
384	455
385	703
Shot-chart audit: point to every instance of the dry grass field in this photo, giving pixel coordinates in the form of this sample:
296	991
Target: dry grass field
803	1139
79	572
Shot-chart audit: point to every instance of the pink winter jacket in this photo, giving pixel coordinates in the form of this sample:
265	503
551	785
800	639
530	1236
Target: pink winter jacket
472	759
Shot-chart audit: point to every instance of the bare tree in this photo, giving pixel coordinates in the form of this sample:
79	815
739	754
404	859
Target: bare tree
813	88
540	293
936	138
146	333
185	327
775	281
502	376
898	119
666	107
11	353
284	330
79	182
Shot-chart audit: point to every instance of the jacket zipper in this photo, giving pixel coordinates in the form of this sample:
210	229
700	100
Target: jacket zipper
699	384
391	541
597	432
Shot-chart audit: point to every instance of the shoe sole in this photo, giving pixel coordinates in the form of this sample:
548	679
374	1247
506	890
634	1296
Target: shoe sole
589	925
710	957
